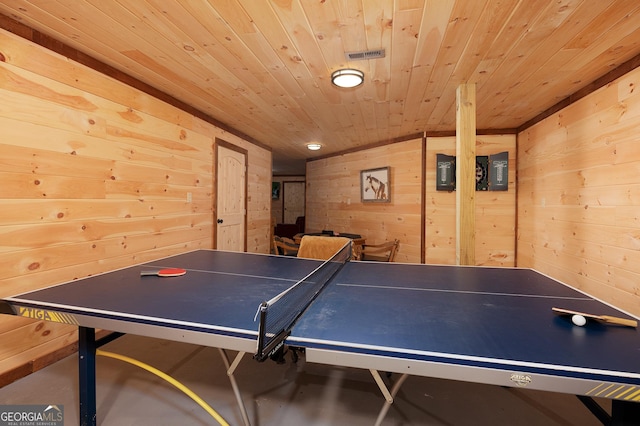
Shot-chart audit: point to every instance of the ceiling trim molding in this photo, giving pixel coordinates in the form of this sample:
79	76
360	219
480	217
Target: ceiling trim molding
440	134
43	40
368	146
612	75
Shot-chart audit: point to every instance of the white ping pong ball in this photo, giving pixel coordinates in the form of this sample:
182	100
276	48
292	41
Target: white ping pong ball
579	320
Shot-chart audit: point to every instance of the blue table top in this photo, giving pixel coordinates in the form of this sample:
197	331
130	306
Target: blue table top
221	289
469	315
472	315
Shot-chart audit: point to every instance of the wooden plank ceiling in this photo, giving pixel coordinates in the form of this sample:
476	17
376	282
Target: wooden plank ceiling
262	67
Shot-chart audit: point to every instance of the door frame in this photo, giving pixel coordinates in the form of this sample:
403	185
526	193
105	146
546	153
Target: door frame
222	143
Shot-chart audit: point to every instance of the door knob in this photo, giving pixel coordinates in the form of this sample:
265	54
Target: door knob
220	220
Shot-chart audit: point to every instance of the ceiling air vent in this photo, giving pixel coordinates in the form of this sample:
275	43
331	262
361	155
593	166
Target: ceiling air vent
366	54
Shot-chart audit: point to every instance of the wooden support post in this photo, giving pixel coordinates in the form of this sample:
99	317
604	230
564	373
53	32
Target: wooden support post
465	174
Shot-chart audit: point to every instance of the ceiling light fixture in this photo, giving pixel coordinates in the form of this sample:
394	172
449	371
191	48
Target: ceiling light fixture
314	146
347	77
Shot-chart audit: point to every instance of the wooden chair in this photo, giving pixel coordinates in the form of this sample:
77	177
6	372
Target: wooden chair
321	248
384	252
284	246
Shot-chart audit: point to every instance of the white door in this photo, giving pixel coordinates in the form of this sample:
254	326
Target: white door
293	200
231	211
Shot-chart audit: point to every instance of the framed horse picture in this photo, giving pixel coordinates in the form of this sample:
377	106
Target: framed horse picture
375	186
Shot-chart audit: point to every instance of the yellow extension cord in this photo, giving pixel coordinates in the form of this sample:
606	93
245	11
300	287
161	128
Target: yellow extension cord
169	379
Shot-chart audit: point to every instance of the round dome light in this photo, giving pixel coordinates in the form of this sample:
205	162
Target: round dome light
347	77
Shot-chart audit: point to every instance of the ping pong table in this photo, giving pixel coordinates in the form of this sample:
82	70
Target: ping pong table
473	324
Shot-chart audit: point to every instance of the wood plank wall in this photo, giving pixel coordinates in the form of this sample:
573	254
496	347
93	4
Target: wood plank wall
579	194
333	202
495	210
95	176
333	197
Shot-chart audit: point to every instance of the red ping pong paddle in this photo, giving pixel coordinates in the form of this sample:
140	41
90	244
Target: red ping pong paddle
167	272
602	318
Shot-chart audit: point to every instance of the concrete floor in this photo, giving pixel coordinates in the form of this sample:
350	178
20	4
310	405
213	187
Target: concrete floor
278	394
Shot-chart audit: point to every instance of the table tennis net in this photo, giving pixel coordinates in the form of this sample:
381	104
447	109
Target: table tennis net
278	315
